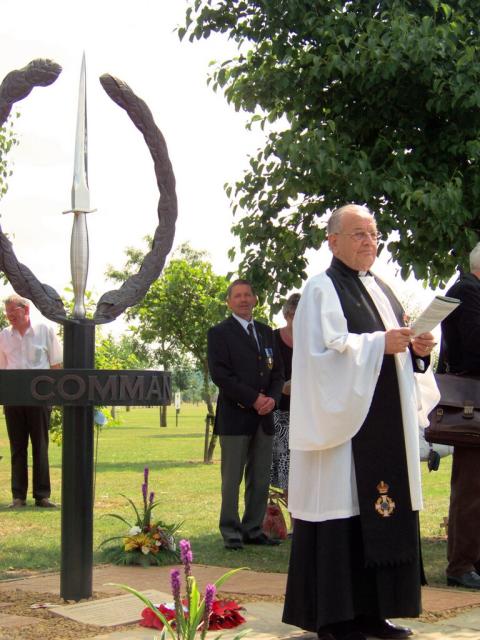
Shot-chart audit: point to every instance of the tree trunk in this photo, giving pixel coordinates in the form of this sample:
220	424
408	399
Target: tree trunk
210	437
211	447
163	416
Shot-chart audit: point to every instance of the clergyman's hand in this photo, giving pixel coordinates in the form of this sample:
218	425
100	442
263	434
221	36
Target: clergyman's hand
397	340
423	344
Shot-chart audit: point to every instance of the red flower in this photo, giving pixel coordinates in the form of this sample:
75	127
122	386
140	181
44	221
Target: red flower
225	615
149	619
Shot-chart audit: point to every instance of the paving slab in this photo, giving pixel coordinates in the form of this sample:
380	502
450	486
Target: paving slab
109	612
468	619
263	620
437	630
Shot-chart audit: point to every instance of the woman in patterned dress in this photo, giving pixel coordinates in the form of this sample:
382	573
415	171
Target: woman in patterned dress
281	416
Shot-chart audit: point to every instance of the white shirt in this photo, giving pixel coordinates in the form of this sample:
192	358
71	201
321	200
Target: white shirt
38	348
334	375
245	324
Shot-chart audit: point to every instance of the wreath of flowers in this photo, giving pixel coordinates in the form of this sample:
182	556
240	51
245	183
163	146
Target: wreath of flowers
146	542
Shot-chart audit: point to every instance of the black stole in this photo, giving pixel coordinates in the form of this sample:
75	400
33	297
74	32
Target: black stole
389	526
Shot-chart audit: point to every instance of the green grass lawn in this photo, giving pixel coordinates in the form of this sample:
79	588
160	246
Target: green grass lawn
188	490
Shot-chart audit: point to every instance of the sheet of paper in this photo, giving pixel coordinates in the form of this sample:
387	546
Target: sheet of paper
439	308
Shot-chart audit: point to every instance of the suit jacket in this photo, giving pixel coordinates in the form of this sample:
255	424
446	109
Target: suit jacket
241	372
461	329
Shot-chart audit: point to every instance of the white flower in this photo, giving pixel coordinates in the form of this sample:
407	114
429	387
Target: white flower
135	531
145	550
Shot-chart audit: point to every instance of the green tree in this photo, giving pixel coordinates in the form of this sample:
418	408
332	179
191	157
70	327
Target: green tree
3	319
177	311
124	352
7	141
371	101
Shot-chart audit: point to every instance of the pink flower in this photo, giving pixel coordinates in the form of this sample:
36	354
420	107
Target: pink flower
186	556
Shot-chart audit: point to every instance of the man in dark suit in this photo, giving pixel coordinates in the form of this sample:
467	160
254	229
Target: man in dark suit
246	367
460	354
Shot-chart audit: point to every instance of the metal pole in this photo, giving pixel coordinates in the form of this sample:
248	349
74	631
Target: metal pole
77	472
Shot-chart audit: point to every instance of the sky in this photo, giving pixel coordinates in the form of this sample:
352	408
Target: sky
207	140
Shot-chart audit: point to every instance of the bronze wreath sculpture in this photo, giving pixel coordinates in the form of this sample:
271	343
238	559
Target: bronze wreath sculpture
40	73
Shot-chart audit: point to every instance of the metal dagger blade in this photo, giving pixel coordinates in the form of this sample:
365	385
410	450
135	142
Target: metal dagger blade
80	202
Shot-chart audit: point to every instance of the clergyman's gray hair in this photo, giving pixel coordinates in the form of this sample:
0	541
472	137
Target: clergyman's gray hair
290	305
475	258
334	223
18	300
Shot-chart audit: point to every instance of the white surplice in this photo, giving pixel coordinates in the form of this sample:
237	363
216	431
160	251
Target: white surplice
334	375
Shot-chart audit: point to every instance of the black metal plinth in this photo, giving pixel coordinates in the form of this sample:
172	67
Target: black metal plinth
77	472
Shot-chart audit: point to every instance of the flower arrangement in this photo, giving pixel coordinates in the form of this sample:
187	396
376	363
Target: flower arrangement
147	542
193	616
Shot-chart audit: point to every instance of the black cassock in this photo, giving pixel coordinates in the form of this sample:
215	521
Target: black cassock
363	565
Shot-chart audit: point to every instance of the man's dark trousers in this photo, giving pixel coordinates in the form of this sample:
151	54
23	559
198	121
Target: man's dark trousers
254	454
24	423
463	551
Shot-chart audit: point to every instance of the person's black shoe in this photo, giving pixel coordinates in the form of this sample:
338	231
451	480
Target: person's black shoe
469	580
380	628
46	503
262	539
17	503
233	545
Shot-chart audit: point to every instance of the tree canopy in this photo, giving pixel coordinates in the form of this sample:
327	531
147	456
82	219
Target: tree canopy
7	140
178	309
368	101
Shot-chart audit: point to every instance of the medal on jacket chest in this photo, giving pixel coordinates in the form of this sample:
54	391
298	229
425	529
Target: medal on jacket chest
269	357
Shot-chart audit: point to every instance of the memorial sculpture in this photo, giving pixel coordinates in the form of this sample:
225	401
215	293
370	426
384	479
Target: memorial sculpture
79	386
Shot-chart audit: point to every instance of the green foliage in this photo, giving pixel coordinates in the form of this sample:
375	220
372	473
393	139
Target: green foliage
374	102
190	383
7	141
69	302
3	318
178	309
110	353
126	352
